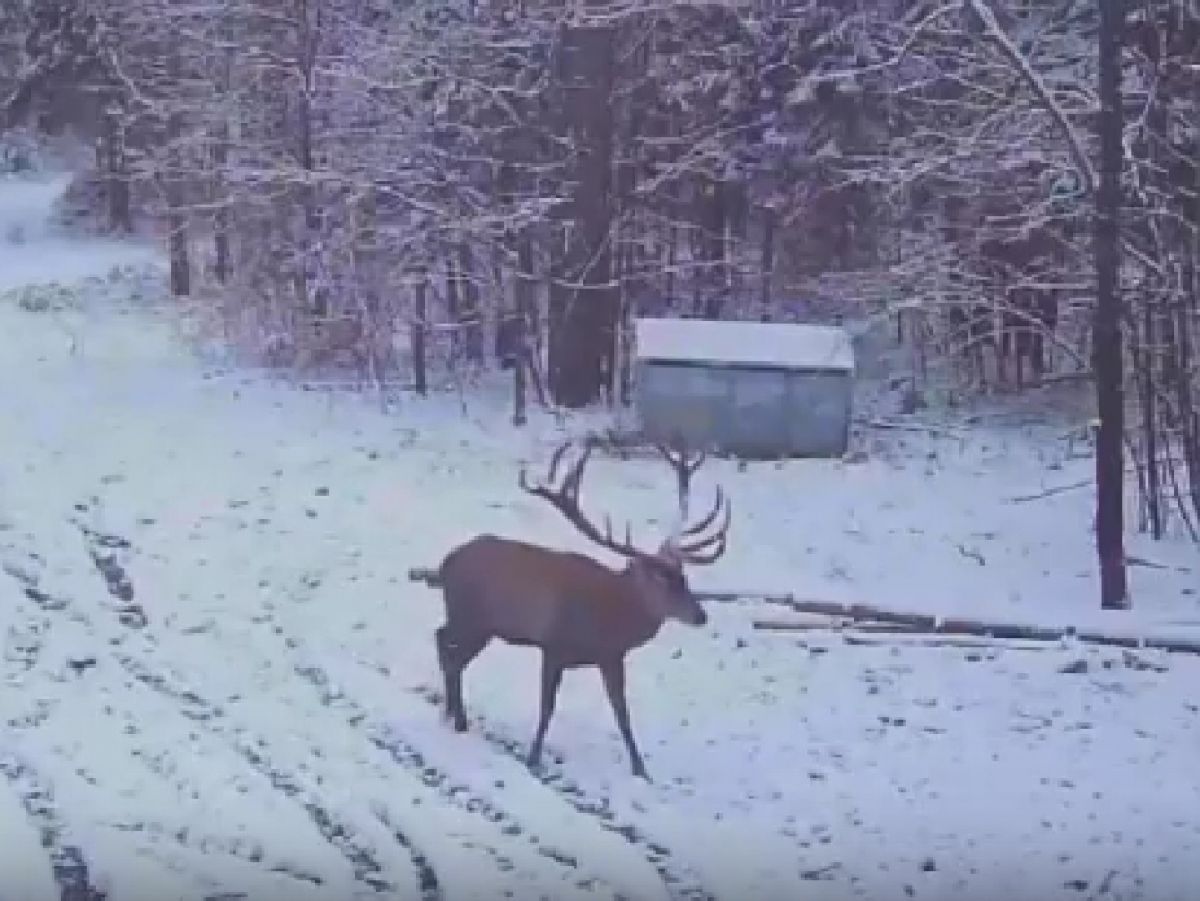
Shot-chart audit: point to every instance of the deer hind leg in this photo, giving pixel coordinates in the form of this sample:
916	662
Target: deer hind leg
455	651
614	684
552	670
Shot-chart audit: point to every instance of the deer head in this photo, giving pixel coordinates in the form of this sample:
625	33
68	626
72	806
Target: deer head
660	584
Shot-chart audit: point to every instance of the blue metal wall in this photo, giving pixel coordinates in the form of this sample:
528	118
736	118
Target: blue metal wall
748	412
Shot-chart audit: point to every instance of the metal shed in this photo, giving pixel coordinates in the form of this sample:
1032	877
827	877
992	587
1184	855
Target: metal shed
752	389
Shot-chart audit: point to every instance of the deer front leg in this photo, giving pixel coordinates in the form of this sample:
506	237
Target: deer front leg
614	683
552	670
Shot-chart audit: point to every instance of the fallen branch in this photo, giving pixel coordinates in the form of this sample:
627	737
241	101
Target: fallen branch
945	641
879	634
816	625
1131	560
1050	492
935	430
891	628
937	625
807	625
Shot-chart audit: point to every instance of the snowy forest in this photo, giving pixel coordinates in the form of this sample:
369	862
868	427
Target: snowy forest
415	185
403	245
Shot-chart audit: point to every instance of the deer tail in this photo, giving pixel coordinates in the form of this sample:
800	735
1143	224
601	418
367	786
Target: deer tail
431	577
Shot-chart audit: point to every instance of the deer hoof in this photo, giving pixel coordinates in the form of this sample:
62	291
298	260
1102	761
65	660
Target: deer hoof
640	772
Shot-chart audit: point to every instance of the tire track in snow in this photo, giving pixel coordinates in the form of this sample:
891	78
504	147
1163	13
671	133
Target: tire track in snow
103	548
67	861
24	636
681	881
363	859
255	751
433	777
106	551
458	814
57	607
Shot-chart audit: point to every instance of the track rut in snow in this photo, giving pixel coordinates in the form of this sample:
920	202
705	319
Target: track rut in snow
413	760
67	861
255	752
681	881
135	652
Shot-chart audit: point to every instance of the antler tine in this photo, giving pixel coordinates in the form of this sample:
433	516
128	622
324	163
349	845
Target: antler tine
564	497
708	519
609	532
574	479
699	558
708	548
559	453
523	476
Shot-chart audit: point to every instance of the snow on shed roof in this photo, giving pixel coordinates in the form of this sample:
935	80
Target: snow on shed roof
774	345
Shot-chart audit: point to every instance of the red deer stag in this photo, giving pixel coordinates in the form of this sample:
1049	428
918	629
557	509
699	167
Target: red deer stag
578	611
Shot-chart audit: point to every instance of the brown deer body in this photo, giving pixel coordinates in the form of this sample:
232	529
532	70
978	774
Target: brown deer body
577	611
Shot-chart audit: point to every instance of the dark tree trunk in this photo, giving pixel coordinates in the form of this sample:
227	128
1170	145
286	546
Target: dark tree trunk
1150	426
672	262
220	152
369	276
523	302
470	314
583	314
1107	362
222	268
1189	309
710	216
419	324
628	305
116	170
181	269
173	189
453	301
768	263
313	299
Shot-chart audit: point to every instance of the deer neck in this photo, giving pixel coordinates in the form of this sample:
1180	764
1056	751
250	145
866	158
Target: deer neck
639	624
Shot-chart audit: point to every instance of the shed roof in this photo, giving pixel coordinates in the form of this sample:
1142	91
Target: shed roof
772	345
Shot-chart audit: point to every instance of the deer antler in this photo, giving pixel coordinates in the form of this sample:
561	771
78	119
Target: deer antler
706	548
565	499
685	544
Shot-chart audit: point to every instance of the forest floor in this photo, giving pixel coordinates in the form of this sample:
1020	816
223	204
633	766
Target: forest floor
220	683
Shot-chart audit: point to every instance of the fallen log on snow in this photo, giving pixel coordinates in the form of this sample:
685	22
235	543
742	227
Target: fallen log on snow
823	625
884	634
966	642
939	625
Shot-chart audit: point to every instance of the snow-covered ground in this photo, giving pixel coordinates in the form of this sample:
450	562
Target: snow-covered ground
219	681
